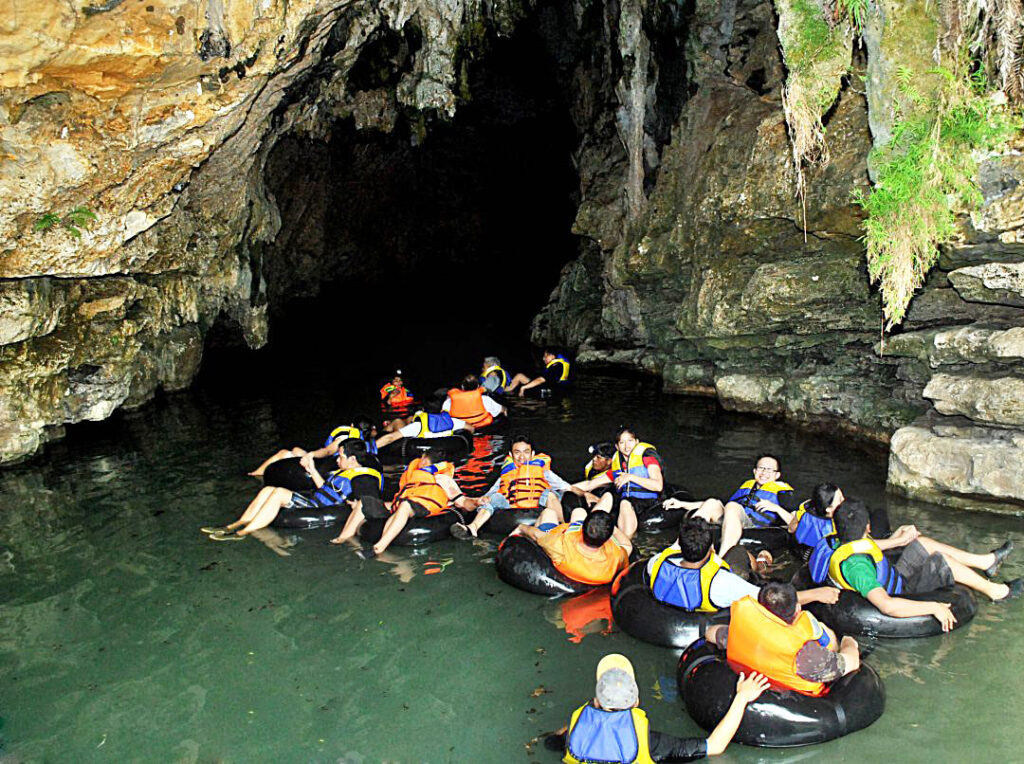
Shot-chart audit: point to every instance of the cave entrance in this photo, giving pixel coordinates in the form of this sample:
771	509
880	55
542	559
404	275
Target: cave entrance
452	236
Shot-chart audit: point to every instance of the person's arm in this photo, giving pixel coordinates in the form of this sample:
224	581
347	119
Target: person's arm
900	537
829	595
492	407
556	482
447	405
622	539
410	430
897	607
655	482
494	490
586	486
748	689
530	531
536	382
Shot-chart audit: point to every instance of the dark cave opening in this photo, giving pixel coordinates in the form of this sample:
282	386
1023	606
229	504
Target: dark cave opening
456	234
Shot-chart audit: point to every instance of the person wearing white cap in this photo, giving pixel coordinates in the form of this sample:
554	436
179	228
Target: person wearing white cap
612	729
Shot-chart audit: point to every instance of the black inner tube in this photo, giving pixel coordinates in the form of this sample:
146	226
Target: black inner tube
521	563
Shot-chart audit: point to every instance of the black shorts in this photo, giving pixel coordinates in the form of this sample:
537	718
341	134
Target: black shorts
641	506
923	572
373	507
418	510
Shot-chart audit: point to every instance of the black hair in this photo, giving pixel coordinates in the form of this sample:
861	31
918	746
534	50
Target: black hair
821	498
521	438
623	429
362	423
435	455
778	462
851	519
352	446
366	459
433	405
694	538
470	382
779	599
598	528
604	450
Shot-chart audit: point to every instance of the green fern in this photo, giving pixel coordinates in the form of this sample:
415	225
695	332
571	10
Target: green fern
46	222
73	222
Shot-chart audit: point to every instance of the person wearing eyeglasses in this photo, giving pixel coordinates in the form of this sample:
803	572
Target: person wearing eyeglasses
761	502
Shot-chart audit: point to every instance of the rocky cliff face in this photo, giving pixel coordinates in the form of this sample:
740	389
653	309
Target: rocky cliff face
727	284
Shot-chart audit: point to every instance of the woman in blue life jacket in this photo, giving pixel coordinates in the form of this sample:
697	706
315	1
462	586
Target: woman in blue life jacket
635	474
360	427
611	727
813	520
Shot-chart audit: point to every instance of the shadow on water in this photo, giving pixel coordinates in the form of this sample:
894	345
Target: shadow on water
125	634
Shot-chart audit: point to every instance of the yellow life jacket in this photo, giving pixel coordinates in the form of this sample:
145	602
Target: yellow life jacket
635	466
565	368
357	471
596	735
885	573
688	588
500	371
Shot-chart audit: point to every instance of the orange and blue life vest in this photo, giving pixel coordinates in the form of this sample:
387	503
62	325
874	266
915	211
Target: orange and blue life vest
750	493
810	529
419	484
761	641
635	466
596	735
829	555
688	588
523	484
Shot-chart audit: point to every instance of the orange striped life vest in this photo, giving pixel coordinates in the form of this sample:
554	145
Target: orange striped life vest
761	641
419	484
523	484
468	405
393	395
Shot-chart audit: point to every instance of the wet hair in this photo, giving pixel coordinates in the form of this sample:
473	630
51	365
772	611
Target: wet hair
470	382
821	498
366	459
521	438
604	450
851	519
779	599
352	446
598	528
433	405
492	360
778	462
694	538
435	455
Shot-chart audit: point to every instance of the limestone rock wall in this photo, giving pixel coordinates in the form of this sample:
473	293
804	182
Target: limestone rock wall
157	119
727	284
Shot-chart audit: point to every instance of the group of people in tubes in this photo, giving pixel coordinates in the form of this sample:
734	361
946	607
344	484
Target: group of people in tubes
763	644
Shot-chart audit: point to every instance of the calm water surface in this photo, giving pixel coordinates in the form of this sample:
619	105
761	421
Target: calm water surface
126	635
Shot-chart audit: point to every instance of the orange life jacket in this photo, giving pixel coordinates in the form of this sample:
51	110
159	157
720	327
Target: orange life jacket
394	395
611	558
419	484
761	641
468	405
523	484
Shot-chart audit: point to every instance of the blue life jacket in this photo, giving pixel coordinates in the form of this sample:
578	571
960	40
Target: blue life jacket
810	529
829	555
438	424
635	466
596	735
687	588
750	493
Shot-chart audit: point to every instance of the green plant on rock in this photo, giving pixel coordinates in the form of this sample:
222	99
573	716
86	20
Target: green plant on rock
924	176
73	222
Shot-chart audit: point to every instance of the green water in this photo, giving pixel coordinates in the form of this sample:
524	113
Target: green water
126	635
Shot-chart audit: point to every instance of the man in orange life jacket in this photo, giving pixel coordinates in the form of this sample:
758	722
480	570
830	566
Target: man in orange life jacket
765	500
526	482
852	560
611	728
591	549
469	403
427	488
773	635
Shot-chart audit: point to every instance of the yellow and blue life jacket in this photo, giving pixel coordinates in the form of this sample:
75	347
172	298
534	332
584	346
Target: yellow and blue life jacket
347	431
502	376
810	529
596	735
635	466
688	588
437	425
564	374
750	493
829	555
338	485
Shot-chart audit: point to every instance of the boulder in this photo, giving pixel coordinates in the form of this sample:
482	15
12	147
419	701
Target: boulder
999	283
989	400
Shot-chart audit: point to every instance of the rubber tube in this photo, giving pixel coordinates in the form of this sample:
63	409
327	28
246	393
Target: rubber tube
641	615
779	718
417	532
312	517
523	564
288	473
503	521
657	518
404	450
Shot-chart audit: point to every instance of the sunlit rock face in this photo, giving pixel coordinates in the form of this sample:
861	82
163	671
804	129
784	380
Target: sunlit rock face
133	138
